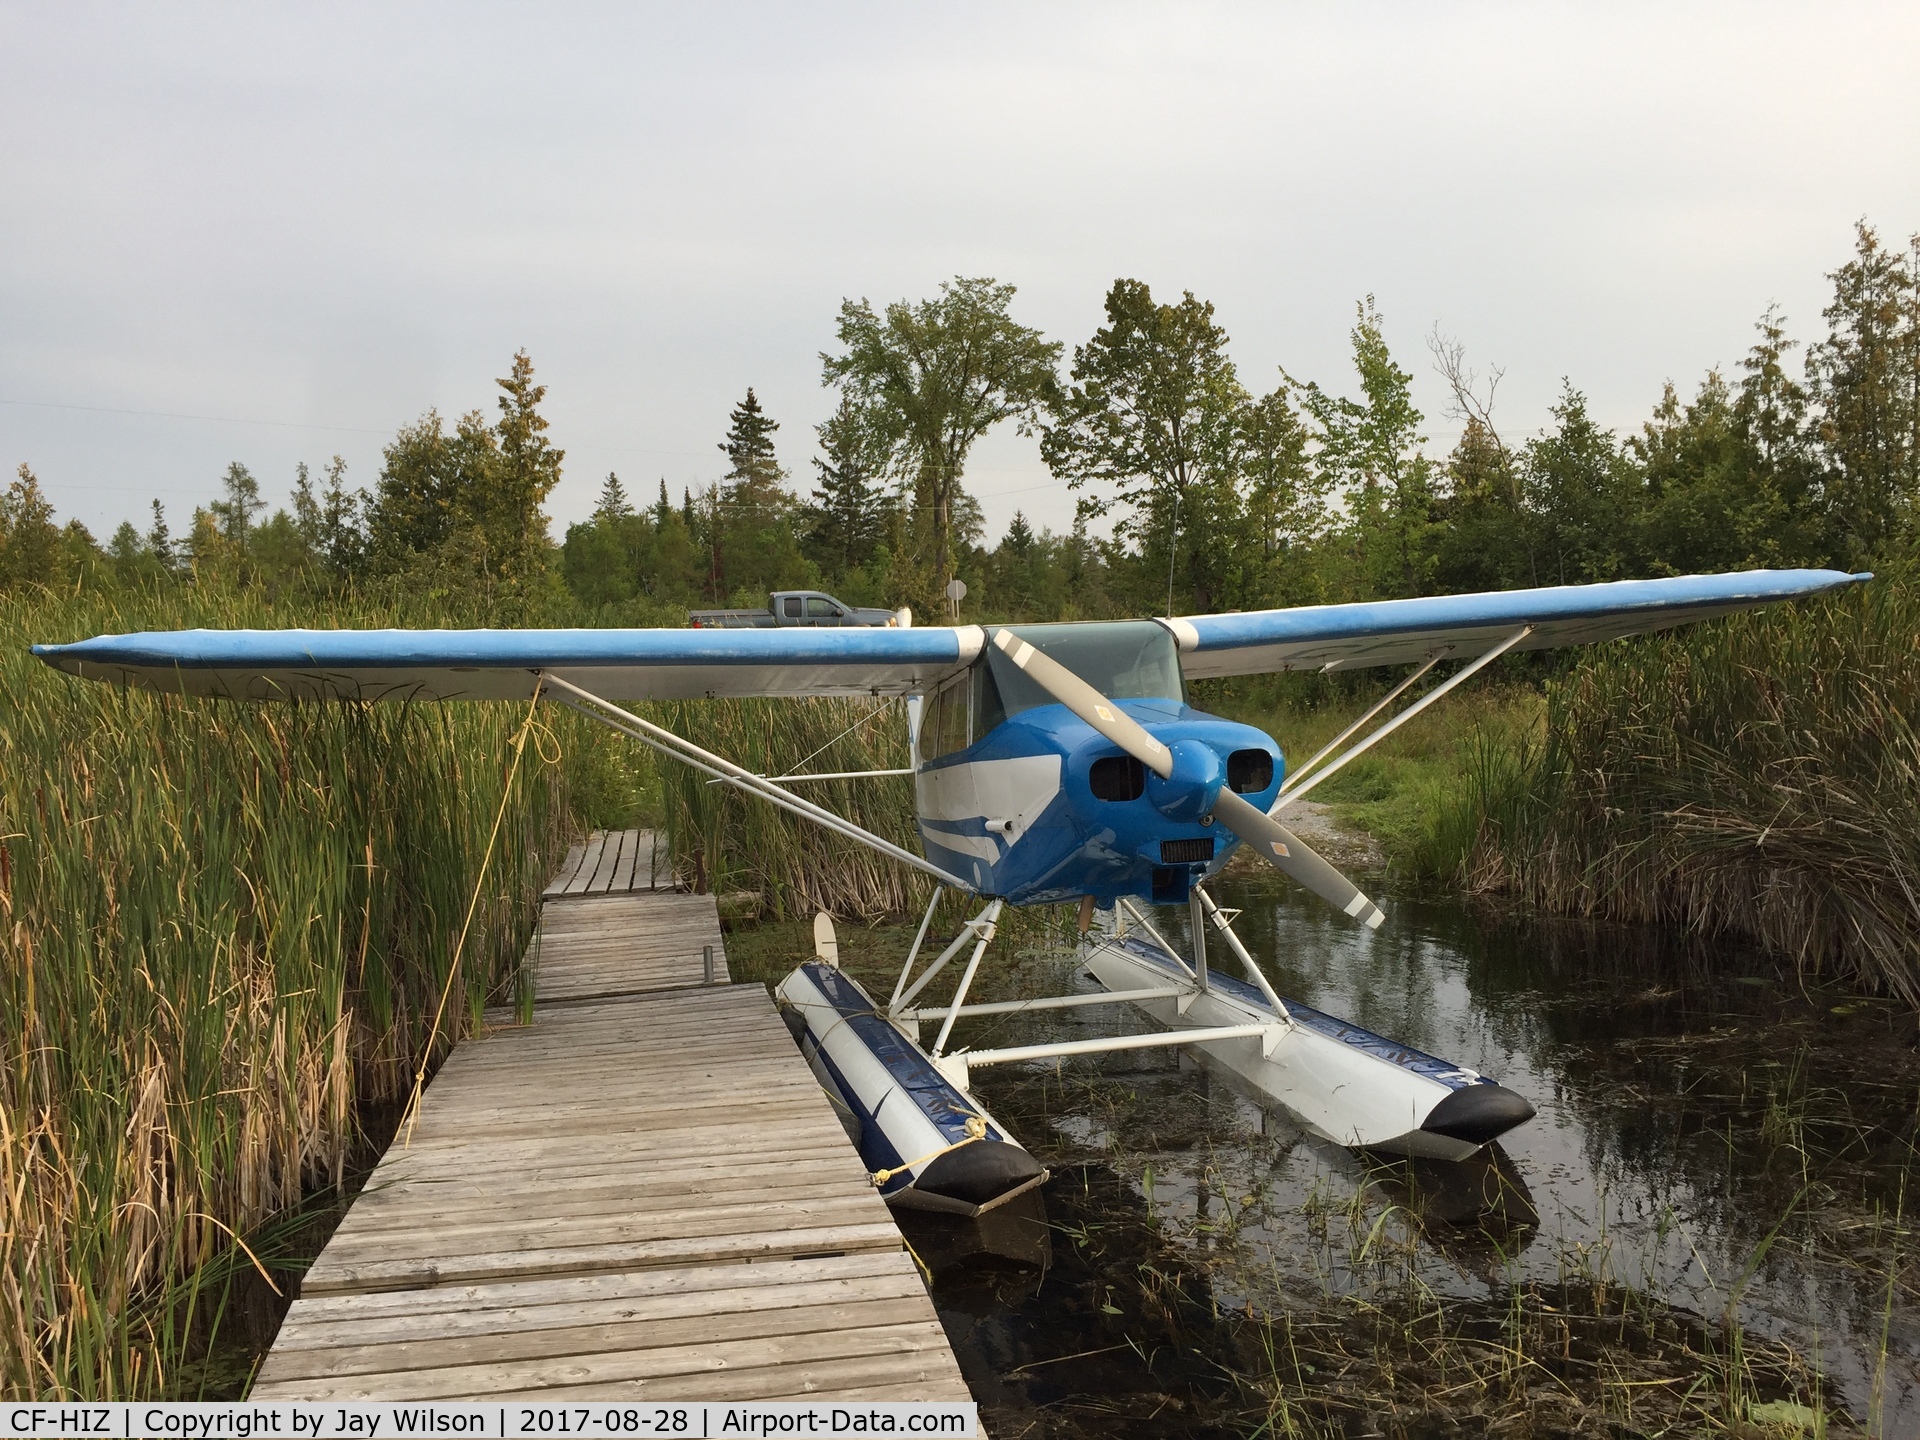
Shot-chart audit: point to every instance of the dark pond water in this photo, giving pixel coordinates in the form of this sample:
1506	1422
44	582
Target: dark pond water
1703	1229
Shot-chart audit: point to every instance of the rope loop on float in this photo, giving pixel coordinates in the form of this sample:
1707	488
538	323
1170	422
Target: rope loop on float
976	1130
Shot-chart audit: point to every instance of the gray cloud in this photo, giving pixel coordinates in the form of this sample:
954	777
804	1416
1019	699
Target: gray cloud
338	217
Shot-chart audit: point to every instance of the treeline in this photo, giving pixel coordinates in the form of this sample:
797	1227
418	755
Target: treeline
1194	489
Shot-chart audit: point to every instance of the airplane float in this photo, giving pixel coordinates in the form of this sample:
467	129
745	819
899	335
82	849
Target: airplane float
1052	763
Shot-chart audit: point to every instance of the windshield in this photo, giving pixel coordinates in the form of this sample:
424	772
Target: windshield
1124	660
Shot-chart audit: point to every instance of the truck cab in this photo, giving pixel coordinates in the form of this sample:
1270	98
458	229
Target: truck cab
798	608
813	607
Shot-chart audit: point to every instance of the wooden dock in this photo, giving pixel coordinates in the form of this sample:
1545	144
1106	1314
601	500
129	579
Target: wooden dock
643	1195
612	862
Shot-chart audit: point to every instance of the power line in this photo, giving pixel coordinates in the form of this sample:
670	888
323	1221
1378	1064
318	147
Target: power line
175	415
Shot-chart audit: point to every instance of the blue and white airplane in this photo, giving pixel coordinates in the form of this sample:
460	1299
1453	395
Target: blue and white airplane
1052	763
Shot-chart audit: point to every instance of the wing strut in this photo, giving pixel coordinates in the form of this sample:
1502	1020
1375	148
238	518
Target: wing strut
679	748
1486	657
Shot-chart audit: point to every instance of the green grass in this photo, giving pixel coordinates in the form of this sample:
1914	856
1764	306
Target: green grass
1398	791
224	930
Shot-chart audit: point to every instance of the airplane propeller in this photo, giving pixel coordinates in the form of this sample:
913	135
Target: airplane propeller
1195	782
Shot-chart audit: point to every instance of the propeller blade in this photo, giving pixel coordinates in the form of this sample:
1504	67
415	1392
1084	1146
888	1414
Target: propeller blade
1086	702
1292	857
1276	844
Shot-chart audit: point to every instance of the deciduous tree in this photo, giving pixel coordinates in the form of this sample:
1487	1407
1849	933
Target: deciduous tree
1153	424
930	379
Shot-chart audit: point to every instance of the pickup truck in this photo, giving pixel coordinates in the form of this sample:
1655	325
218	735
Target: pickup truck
793	607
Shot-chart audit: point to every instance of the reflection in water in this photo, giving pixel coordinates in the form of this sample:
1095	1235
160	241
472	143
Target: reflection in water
1706	1151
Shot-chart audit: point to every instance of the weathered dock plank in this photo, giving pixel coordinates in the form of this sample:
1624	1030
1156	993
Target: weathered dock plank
608	862
641	1195
627	944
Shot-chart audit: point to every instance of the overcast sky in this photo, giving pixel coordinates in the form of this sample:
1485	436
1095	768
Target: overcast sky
275	233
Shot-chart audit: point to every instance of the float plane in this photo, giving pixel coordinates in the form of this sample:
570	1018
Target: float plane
1051	763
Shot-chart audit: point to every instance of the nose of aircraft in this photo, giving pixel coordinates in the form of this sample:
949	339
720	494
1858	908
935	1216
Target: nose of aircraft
1191	786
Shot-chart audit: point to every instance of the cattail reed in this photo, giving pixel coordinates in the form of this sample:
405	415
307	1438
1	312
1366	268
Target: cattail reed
728	841
1758	776
223	930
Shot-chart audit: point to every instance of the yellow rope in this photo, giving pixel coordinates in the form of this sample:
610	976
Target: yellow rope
473	904
976	1130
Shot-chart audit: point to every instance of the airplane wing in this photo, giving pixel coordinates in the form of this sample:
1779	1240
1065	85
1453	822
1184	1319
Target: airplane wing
689	664
1394	632
500	664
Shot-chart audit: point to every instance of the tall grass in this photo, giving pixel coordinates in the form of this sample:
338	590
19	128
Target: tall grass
727	840
1757	776
223	929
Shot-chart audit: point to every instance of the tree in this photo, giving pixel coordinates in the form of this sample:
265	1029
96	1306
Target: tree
342	543
126	548
235	513
1865	378
1587	497
750	520
473	497
613	506
160	540
847	513
596	561
1285	504
1371	454
29	540
306	508
602	558
1155	413
930	379
529	467
1485	539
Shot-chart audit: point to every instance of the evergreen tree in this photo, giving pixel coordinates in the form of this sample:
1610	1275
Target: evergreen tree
613	506
242	502
29	540
753	472
844	521
160	540
471	498
1865	378
528	470
126	547
750	515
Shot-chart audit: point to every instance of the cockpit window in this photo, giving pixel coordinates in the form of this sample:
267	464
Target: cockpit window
1125	660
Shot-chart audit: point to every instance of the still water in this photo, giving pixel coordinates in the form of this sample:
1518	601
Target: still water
1704	1224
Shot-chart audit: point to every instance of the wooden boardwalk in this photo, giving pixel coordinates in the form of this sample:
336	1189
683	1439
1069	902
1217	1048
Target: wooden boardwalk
643	1195
612	862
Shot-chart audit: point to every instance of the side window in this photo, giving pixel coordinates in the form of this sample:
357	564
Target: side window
943	729
791	607
929	727
821	608
987	709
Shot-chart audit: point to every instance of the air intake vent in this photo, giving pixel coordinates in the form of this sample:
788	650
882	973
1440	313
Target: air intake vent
1118	777
1186	852
1249	771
